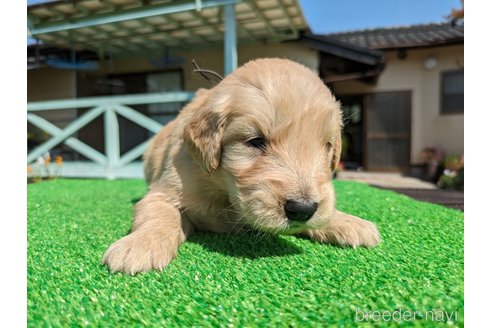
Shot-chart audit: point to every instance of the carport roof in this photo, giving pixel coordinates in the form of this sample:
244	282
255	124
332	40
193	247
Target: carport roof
124	26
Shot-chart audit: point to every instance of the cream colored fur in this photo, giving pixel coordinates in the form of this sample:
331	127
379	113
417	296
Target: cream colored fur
204	175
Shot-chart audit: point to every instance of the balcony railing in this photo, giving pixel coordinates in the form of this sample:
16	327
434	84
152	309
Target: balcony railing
112	164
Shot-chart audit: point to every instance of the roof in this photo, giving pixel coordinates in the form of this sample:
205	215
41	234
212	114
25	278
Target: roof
342	49
136	25
342	61
403	37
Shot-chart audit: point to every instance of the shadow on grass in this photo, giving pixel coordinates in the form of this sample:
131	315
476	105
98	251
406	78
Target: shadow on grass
249	245
136	200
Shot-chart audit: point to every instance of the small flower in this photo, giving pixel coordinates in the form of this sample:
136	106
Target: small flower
29	169
59	160
47	159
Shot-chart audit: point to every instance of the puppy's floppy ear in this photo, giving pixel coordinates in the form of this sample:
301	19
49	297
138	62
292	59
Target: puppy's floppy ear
203	133
337	151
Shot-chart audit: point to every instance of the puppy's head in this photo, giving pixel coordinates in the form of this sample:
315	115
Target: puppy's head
270	136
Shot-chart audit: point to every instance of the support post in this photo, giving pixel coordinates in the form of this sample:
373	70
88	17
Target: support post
230	42
111	140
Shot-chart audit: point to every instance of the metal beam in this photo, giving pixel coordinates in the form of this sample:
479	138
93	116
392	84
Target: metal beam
289	20
109	4
128	14
261	16
105	35
90	42
56	13
230	39
156	30
112	39
180	27
203	22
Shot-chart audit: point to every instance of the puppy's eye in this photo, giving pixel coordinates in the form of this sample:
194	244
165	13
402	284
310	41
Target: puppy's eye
259	143
329	146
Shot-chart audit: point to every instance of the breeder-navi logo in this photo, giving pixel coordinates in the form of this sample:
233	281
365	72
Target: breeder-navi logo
407	315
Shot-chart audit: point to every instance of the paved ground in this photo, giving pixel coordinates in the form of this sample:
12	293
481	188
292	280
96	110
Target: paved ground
386	180
449	198
412	187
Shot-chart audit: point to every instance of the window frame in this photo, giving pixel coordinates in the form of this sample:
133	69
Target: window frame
441	93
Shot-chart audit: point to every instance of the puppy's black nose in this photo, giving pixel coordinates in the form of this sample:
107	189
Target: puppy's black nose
299	210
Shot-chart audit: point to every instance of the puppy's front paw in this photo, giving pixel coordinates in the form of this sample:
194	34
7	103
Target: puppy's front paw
139	252
347	230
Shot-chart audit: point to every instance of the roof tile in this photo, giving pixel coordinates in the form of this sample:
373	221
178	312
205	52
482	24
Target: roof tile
403	37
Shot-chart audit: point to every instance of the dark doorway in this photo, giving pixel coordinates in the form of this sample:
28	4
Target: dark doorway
353	132
388	117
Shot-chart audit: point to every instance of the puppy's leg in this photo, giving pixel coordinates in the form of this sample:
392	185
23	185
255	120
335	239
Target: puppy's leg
157	232
347	230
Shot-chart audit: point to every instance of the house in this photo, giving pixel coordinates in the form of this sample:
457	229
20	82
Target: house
104	75
412	99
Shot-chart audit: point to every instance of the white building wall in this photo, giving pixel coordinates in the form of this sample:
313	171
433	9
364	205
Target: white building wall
429	126
49	83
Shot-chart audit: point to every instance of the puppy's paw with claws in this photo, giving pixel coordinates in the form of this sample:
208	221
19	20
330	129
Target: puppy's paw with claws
347	230
140	252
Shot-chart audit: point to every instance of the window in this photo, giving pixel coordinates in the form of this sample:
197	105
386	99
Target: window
452	92
164	82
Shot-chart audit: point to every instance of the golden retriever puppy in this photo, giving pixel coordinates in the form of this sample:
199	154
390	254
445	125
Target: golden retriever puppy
257	151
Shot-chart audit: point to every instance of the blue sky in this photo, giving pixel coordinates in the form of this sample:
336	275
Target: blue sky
328	16
33	2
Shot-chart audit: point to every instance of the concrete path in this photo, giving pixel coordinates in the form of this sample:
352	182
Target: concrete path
412	187
385	180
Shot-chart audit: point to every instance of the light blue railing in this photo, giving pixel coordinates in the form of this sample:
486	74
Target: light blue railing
111	164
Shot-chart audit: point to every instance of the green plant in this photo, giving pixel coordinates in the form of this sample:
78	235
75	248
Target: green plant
453	162
453	176
44	165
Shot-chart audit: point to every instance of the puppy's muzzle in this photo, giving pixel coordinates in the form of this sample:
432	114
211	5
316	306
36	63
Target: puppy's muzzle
300	211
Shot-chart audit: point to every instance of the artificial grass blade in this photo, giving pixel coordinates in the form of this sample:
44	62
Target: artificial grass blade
240	280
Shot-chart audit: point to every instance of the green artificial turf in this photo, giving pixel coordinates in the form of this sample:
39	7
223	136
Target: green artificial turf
239	280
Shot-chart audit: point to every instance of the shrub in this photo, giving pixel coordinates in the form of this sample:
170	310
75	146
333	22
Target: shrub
453	176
